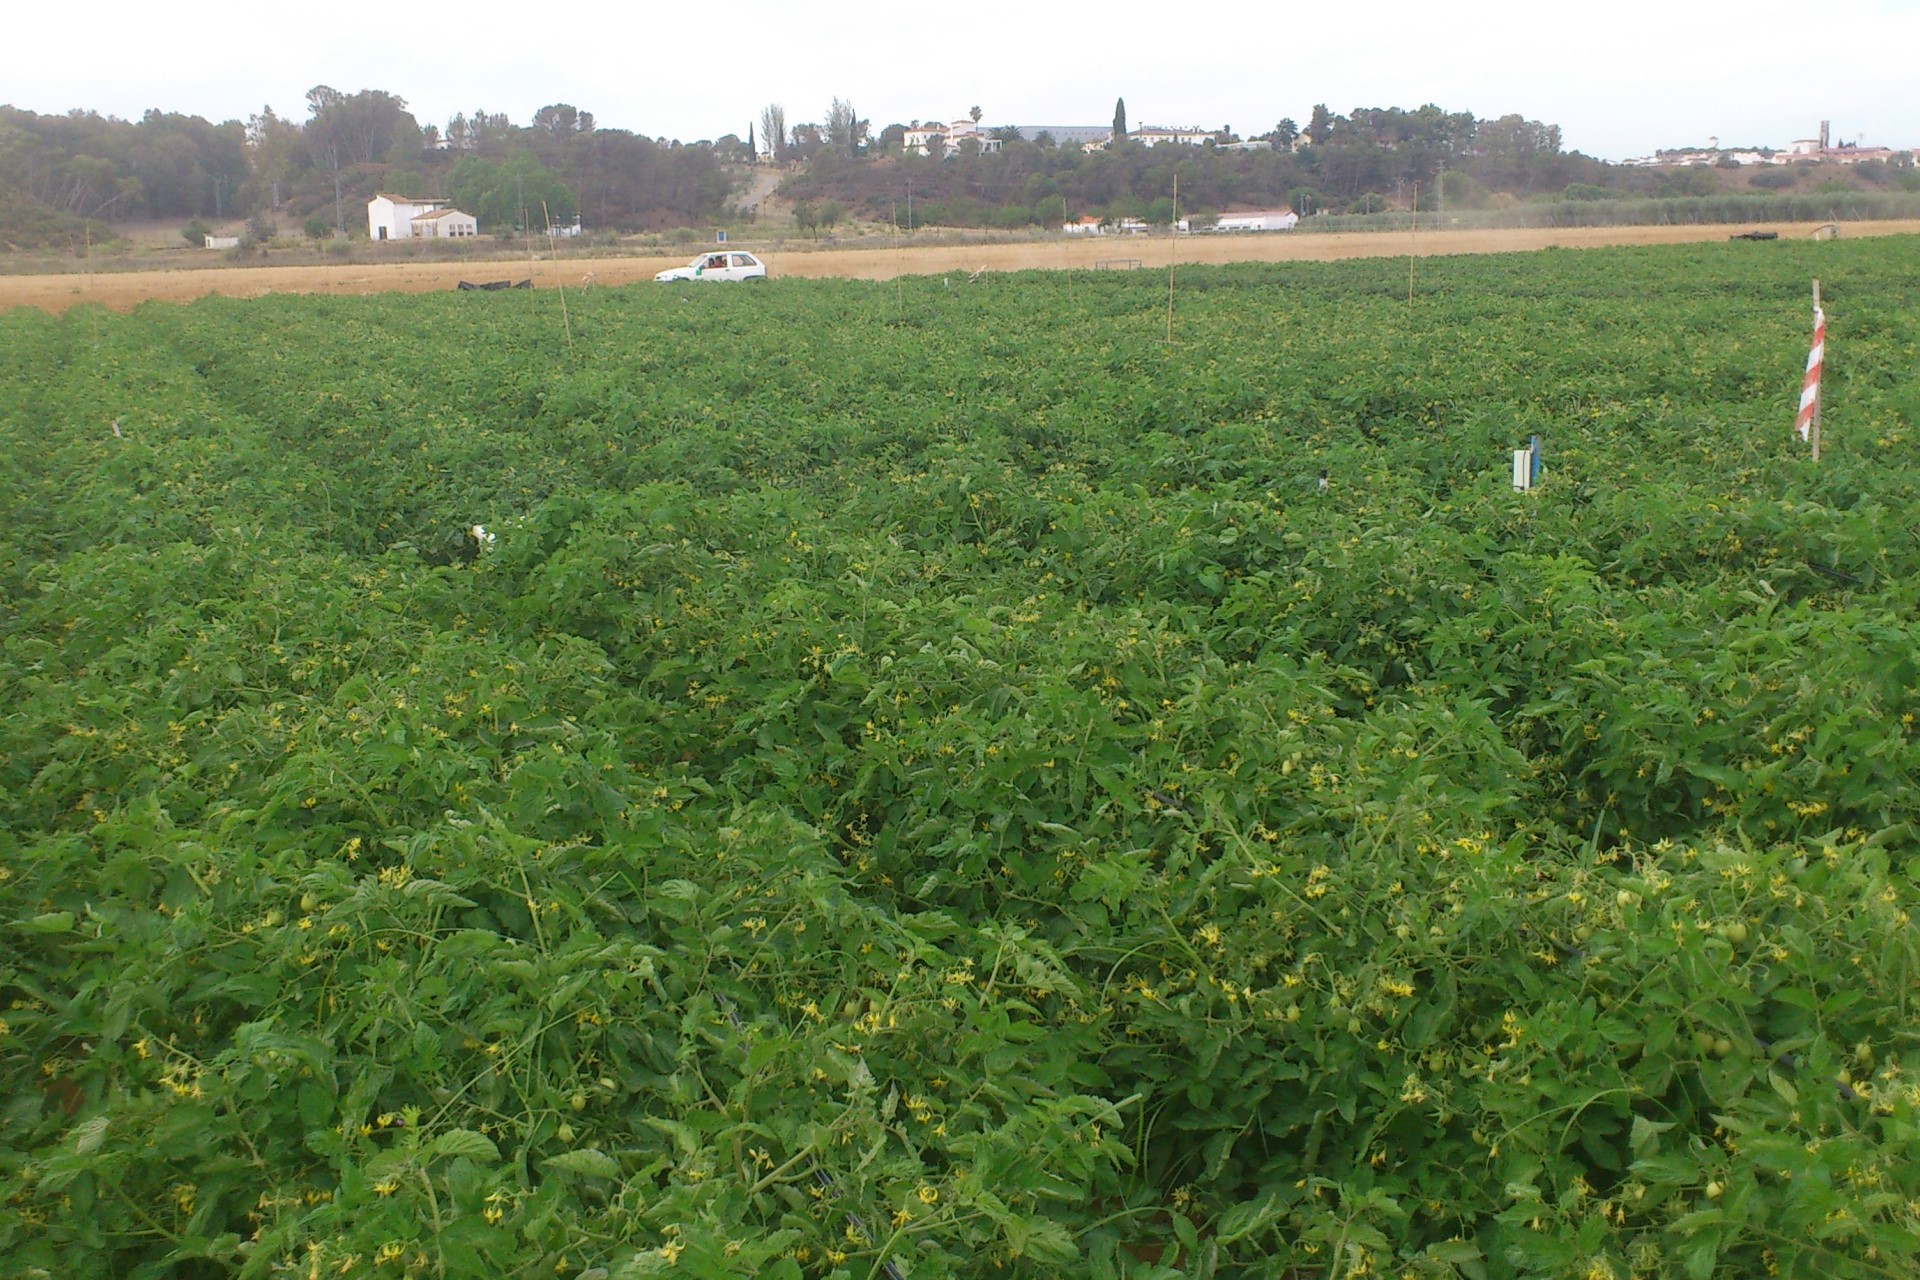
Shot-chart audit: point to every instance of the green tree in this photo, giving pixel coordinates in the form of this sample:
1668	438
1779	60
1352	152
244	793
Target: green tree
342	132
773	129
806	217
1119	120
512	194
562	120
842	127
260	229
1319	125
1286	133
272	144
830	213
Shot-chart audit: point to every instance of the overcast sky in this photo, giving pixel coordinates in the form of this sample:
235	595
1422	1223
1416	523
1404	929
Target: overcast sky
1620	79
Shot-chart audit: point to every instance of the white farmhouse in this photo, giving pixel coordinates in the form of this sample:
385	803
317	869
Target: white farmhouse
391	217
445	224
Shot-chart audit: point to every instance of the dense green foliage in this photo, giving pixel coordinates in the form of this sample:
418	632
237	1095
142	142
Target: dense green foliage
58	169
1352	157
923	774
1366	160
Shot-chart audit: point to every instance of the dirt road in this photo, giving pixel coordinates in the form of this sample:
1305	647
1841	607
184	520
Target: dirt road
122	290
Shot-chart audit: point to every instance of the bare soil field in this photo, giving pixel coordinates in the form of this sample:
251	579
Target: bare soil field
121	291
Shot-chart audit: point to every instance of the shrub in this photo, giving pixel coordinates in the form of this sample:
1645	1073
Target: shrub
260	229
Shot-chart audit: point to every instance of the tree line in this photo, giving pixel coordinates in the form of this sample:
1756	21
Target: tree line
57	171
1365	160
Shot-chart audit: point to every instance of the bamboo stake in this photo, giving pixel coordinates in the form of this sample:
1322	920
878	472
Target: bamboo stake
899	289
1414	256
526	227
553	254
1173	241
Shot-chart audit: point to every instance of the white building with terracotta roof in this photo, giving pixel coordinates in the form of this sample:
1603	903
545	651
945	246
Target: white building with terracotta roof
391	217
921	138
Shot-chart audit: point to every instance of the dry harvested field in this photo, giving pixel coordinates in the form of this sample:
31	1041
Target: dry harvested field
122	290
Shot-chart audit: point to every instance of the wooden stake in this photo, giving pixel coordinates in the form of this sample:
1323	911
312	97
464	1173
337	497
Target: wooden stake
1813	428
1173	239
899	289
1415	255
553	255
526	226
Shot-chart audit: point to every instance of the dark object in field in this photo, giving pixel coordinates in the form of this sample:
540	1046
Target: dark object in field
491	285
1754	235
1836	574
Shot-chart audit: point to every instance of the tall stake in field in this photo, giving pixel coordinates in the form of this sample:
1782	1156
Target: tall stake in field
1807	422
1414	256
899	290
553	253
1173	239
526	228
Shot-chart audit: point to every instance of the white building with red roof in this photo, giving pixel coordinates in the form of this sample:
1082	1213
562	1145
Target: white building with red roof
391	217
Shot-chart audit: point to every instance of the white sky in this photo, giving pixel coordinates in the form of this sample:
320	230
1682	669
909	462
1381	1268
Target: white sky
1620	79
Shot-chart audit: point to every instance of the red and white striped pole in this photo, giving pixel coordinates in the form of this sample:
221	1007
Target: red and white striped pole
1807	423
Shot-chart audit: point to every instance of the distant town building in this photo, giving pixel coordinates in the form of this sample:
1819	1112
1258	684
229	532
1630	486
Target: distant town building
1799	151
920	138
1154	135
1849	154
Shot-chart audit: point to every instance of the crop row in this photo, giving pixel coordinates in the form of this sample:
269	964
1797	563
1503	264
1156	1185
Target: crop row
926	776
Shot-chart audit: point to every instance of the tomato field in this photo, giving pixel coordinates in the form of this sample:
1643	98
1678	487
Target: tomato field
922	779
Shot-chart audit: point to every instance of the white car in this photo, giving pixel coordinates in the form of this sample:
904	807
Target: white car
730	264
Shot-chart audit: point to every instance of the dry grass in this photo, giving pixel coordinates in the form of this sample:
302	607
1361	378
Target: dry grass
123	290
